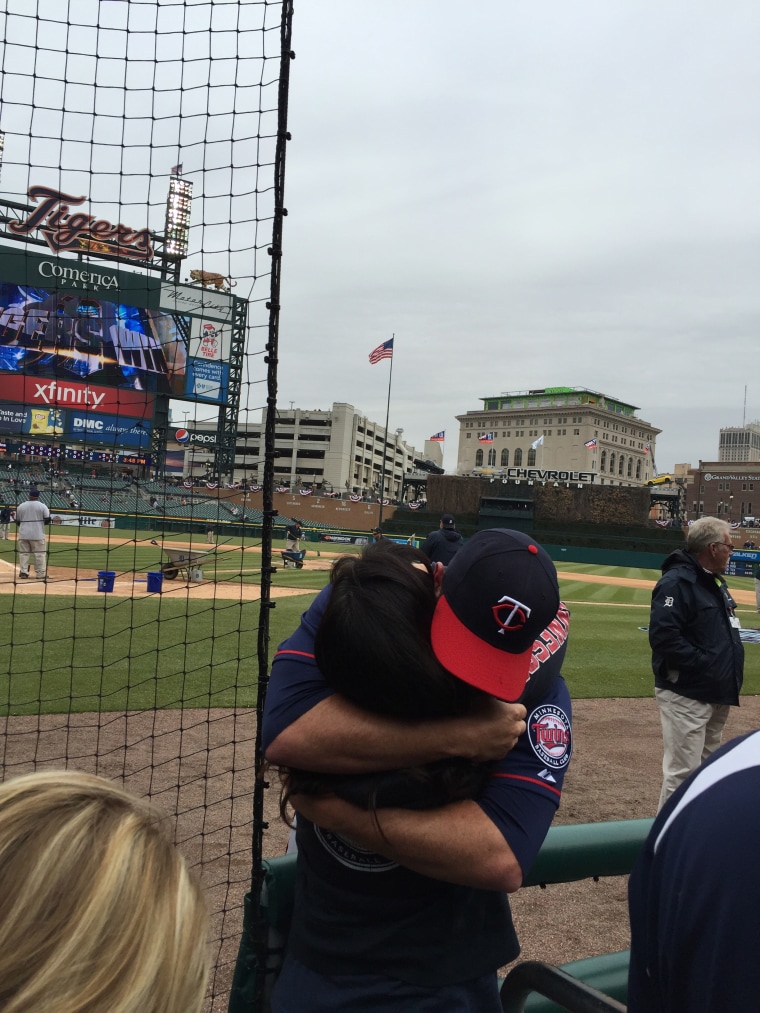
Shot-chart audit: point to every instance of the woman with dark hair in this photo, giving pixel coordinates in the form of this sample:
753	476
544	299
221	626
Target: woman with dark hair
373	646
405	906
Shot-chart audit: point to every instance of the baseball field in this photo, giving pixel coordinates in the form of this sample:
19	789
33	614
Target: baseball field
158	690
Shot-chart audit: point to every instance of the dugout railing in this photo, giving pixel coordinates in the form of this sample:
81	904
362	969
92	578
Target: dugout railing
570	853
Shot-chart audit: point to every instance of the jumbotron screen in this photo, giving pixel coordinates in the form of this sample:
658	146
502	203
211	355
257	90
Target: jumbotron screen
68	336
86	349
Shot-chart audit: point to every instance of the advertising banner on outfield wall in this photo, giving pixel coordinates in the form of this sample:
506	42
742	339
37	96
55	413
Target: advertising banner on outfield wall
84	426
82	520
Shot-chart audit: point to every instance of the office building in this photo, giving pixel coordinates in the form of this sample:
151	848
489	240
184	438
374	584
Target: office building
558	432
335	451
740	443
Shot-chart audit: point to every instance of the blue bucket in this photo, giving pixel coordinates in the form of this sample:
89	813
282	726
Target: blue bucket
155	582
105	580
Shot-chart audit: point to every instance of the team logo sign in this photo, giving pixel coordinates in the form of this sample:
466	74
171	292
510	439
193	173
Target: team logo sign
550	736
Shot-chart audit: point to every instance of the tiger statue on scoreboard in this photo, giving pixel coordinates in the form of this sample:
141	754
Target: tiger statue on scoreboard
210	279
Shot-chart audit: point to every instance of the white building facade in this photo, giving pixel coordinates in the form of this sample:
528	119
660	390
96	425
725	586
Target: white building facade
740	443
565	433
338	451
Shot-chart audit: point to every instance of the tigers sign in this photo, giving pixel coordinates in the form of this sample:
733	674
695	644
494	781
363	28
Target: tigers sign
79	232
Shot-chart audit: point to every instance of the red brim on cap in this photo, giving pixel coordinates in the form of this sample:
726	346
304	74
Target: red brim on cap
470	659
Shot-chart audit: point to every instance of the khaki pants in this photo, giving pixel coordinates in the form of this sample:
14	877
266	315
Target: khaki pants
691	731
28	547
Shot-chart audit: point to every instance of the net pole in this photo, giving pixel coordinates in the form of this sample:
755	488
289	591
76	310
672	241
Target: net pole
266	603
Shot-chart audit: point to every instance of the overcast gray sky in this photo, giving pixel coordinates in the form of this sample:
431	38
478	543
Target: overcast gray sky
555	193
527	195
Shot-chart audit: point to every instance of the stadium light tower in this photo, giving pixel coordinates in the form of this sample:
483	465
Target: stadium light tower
178	205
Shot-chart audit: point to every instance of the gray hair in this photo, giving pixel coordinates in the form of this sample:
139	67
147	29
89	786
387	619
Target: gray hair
705	531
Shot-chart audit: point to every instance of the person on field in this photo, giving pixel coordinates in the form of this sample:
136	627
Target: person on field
5	521
293	533
442	545
31	518
697	652
400	907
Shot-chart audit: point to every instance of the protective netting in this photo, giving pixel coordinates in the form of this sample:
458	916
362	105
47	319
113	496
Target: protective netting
140	203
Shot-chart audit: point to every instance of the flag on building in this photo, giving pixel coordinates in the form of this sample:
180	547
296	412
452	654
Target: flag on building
384	351
590	444
176	170
486	438
646	448
537	443
438	437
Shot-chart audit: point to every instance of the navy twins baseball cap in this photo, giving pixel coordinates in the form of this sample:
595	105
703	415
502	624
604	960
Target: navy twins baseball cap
499	623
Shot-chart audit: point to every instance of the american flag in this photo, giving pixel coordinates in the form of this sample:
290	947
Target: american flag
384	351
486	438
646	448
176	170
590	444
438	437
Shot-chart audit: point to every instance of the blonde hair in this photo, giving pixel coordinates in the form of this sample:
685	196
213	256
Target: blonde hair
98	913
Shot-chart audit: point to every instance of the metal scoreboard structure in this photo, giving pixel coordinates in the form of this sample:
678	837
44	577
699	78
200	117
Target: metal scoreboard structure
93	353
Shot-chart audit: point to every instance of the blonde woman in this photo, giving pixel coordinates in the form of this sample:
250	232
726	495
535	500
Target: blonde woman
98	913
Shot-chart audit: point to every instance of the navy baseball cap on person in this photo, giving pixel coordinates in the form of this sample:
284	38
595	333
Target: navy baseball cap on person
499	623
34	492
447	520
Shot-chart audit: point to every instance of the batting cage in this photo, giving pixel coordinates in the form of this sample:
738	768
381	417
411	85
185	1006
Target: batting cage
142	149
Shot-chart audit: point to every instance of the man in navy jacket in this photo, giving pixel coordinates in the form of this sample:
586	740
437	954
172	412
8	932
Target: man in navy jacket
697	653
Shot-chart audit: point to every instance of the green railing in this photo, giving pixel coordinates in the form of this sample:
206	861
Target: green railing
569	853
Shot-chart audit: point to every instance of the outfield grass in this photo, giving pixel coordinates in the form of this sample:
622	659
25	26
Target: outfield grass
112	653
608	653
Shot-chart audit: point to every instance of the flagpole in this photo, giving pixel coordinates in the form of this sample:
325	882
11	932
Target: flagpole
385	441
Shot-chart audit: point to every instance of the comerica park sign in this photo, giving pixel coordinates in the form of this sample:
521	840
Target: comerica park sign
63	230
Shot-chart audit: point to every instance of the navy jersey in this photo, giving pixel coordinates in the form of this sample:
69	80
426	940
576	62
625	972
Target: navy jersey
359	914
693	892
525	787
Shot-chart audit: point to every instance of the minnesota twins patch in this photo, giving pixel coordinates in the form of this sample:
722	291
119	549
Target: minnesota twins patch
550	736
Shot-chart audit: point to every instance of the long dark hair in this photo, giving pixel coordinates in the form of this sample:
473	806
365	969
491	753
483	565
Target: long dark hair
373	647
